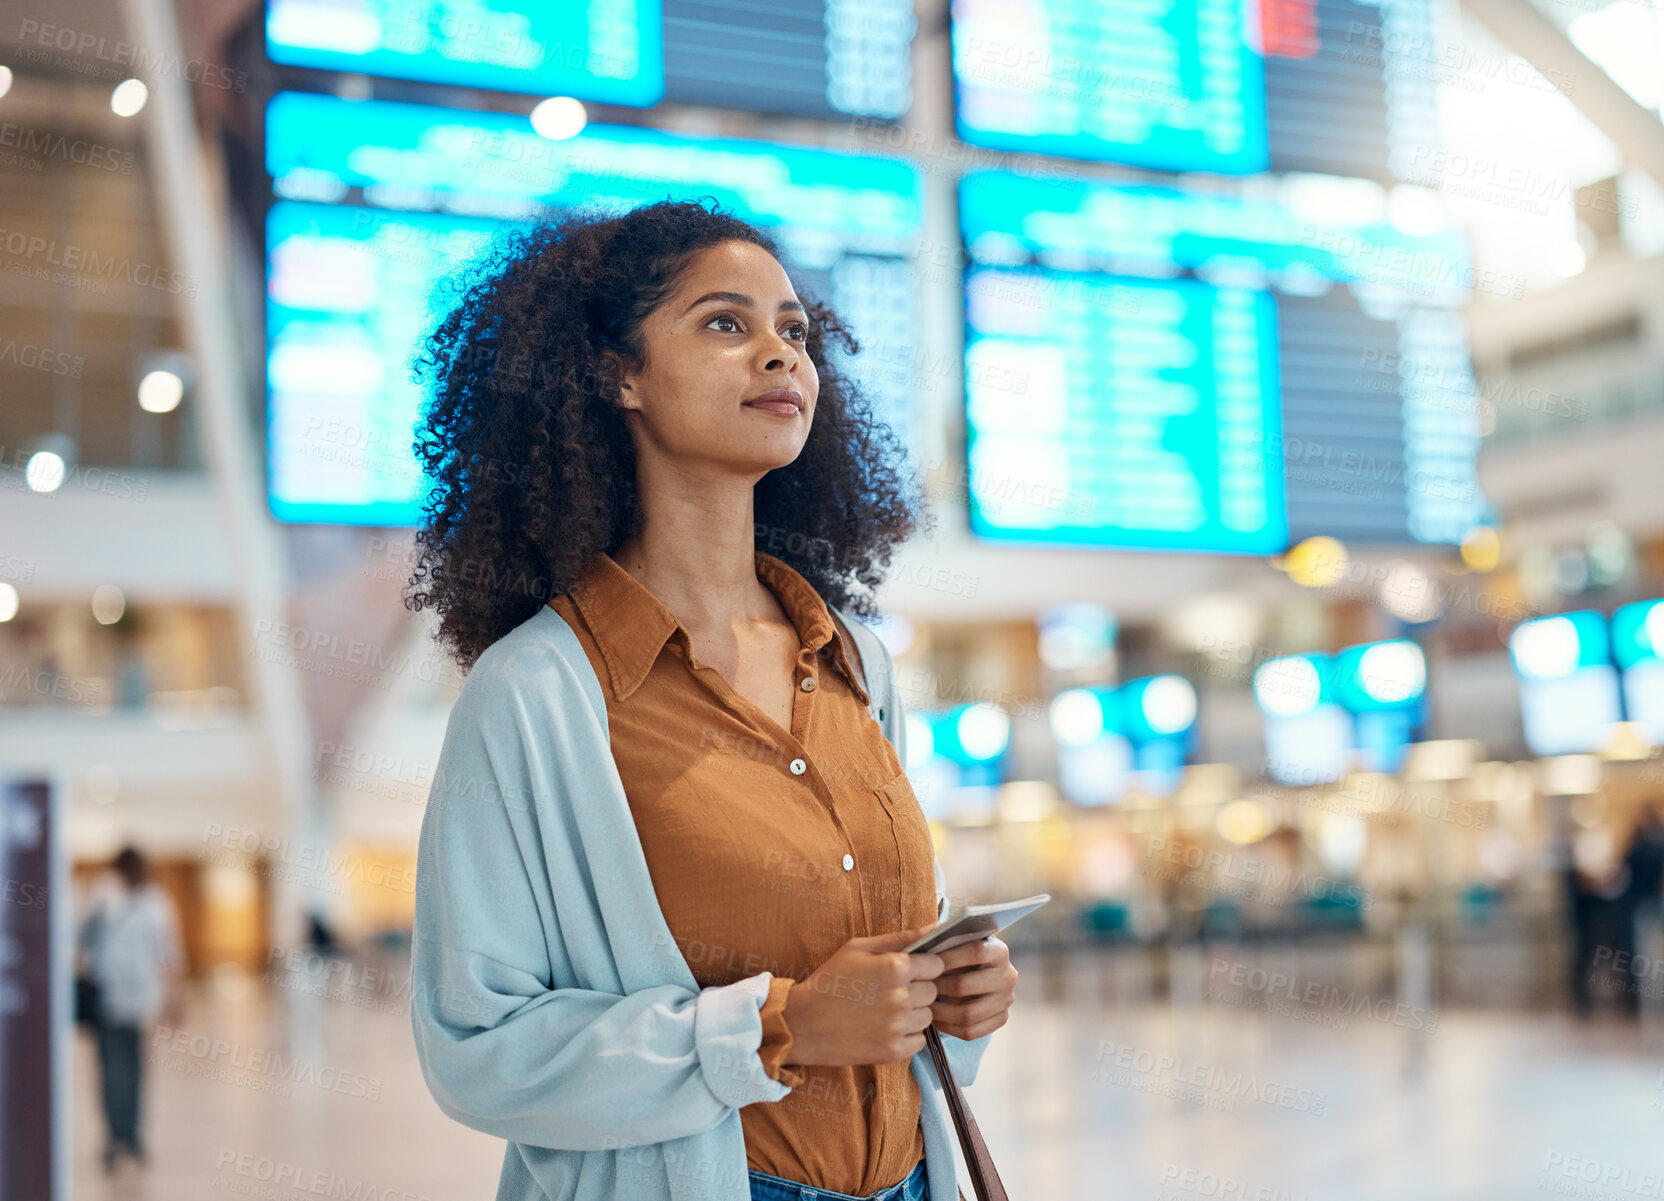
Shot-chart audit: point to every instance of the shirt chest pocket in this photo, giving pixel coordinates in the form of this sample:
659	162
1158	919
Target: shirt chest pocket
912	902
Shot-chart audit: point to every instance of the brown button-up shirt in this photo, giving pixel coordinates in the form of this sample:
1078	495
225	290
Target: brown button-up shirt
769	848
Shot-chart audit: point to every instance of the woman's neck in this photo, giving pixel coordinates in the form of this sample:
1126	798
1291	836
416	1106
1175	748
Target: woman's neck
698	556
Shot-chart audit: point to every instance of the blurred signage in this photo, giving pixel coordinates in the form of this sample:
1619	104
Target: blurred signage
34	1000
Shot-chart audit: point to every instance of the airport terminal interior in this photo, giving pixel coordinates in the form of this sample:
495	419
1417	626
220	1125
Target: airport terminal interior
1283	381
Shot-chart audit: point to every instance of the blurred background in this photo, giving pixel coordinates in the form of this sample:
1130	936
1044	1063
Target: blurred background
1287	383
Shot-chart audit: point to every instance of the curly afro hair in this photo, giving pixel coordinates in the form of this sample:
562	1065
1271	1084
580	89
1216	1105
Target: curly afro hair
532	467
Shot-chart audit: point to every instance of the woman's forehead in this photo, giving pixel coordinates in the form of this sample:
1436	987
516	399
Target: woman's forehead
738	267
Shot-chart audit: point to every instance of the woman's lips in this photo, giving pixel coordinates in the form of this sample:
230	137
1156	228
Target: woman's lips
783	401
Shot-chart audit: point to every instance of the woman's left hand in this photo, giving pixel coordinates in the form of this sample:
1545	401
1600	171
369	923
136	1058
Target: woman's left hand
975	990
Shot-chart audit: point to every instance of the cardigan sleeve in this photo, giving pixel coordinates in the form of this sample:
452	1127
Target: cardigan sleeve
502	1050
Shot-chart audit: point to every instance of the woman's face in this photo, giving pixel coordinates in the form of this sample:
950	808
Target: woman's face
733	332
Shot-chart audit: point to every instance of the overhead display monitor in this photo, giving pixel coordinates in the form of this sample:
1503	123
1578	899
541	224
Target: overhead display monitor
600	50
1166	369
376	203
1226	86
1570	693
810	58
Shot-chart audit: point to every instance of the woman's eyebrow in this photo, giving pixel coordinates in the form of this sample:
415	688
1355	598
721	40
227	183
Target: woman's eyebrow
741	298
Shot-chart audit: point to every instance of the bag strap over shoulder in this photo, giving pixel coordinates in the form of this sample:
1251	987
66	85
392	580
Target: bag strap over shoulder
984	1179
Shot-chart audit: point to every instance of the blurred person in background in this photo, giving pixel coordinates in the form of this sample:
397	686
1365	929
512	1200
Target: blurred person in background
129	938
1645	897
1597	893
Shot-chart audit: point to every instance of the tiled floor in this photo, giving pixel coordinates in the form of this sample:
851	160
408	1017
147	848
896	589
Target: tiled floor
1083	1095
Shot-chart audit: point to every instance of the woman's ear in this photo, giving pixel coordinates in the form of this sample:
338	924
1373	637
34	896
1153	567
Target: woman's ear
616	387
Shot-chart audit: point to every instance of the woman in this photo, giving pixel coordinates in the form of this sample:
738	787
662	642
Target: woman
130	939
670	857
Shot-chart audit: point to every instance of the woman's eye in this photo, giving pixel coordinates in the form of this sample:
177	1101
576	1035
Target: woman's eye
801	330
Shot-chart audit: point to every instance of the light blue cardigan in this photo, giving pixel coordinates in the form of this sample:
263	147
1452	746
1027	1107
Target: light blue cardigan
550	1004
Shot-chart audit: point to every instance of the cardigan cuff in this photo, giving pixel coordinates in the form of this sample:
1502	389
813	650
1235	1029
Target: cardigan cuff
777	1035
727	1033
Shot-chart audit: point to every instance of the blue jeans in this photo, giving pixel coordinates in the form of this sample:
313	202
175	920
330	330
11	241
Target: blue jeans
776	1188
120	1062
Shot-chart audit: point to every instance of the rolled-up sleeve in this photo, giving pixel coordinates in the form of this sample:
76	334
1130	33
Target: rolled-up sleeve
501	1049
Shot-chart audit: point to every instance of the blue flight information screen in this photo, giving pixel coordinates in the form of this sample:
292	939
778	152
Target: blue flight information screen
1135	411
380	203
1233	87
813	58
1149	84
1150	367
598	50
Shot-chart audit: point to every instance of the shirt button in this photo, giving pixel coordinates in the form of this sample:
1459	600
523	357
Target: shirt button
808	684
849	862
799	767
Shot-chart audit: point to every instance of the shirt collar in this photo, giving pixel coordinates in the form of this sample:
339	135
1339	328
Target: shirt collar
631	625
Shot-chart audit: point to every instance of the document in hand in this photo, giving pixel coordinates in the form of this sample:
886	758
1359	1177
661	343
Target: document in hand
967	923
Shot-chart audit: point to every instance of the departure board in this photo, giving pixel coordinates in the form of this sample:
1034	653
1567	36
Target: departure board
811	58
1170	84
600	50
377	202
1152	367
1138	409
1351	88
1341	87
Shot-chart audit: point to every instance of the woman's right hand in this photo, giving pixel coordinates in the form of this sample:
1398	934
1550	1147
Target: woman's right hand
869	1003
